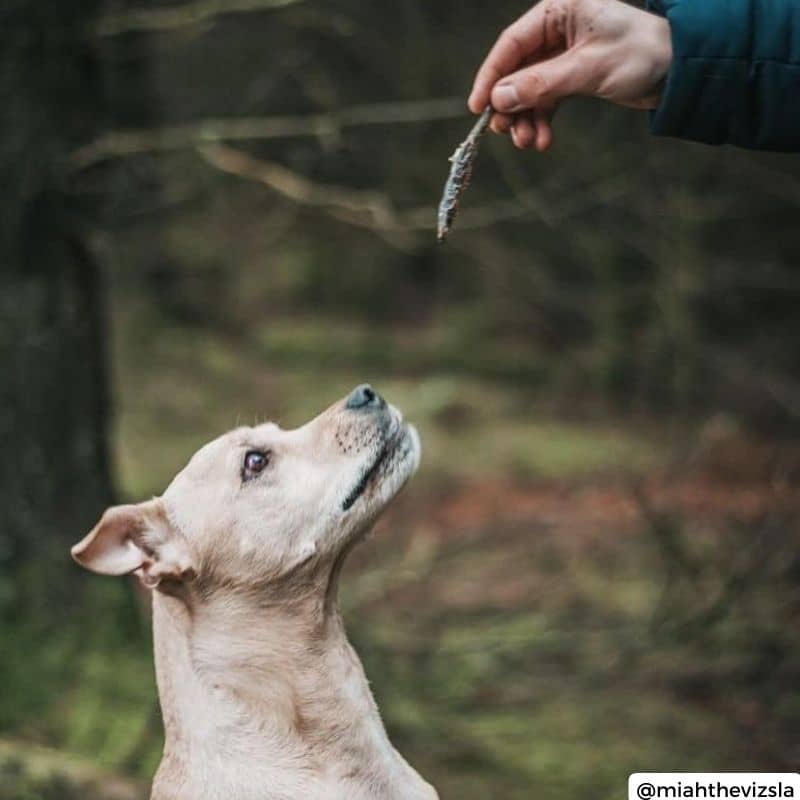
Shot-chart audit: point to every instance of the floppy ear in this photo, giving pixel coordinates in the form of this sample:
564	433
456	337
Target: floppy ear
136	538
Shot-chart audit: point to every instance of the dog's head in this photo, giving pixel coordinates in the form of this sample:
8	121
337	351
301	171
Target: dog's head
260	504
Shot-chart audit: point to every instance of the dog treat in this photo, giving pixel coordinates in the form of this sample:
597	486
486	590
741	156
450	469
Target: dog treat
462	162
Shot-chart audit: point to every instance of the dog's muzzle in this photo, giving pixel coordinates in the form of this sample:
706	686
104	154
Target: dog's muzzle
365	400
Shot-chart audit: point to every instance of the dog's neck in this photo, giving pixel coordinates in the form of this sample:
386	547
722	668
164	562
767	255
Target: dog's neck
268	702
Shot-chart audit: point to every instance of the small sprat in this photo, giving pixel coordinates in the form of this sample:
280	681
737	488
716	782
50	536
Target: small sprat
462	162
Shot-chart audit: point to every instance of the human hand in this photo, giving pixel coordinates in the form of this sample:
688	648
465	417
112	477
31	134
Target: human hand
562	48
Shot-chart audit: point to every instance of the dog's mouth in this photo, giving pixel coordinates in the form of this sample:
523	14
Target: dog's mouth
390	447
365	478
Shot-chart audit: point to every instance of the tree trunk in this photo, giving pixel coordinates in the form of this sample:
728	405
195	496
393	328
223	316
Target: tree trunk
54	471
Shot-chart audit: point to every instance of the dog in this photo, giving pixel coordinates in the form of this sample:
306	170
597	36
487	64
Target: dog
262	696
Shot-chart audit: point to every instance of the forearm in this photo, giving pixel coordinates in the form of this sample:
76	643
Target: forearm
735	75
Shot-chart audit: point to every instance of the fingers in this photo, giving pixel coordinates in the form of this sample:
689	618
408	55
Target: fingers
529	130
533	130
542	85
523	132
501	123
521	40
522	128
543	118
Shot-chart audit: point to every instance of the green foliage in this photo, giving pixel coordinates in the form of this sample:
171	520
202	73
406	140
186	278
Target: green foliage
29	772
86	684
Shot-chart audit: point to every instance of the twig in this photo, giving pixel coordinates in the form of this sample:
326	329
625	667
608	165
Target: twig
153	20
118	144
351	205
361	208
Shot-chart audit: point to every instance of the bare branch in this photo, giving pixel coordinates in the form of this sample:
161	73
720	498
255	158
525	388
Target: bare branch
118	144
375	211
358	207
168	18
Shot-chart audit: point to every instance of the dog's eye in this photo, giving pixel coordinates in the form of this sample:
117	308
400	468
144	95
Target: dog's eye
255	462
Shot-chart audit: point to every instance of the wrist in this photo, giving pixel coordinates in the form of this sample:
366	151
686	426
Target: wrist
659	47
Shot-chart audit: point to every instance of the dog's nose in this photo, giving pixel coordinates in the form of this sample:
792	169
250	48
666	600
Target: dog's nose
364	397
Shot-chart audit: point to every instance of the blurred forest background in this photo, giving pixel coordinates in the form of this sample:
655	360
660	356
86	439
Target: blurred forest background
223	210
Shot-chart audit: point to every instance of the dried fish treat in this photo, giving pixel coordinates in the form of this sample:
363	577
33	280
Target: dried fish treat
462	162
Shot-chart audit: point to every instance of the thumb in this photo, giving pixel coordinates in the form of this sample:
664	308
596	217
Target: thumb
543	84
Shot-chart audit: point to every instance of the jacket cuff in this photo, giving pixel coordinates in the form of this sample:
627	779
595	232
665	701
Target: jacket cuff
732	79
703	99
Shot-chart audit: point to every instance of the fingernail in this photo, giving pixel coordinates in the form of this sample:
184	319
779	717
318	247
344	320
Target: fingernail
505	98
514	135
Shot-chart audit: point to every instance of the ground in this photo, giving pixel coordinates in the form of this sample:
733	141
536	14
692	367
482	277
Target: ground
516	609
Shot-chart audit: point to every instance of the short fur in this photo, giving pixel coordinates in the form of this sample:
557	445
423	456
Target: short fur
263	698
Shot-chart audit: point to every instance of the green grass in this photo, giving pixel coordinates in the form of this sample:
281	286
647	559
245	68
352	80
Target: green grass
85	683
177	392
32	772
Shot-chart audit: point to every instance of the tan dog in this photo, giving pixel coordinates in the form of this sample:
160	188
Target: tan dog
262	696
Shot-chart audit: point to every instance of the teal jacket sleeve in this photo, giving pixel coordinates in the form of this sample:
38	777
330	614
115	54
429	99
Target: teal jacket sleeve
735	76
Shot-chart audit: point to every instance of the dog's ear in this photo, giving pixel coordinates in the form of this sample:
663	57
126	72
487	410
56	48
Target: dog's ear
139	539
